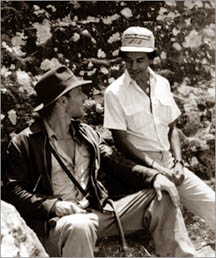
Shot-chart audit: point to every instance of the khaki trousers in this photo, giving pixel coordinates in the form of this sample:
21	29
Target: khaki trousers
75	235
194	193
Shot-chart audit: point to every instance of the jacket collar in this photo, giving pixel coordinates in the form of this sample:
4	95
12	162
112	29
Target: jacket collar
38	127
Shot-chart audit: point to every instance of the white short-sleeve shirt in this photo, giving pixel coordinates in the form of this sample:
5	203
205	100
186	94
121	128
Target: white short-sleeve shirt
127	108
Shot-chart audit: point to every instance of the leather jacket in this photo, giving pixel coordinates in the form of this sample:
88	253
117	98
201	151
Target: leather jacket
28	172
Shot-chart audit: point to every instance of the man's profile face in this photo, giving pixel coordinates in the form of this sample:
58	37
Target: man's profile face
136	64
75	101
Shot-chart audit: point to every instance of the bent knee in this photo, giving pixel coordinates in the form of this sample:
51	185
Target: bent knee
166	202
79	223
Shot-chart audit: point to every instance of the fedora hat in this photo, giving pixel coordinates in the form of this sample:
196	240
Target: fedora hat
55	83
137	39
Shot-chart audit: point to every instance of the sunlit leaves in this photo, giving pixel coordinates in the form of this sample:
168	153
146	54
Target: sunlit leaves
109	19
114	37
43	31
12	116
18	40
193	3
38	36
5	72
101	53
193	40
49	64
126	12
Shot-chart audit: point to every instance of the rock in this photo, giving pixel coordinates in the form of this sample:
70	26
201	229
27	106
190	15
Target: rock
17	239
206	251
210	102
193	123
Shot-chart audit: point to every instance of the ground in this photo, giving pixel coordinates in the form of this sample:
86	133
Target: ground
202	237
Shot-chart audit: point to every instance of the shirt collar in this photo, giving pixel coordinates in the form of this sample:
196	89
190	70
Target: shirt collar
51	133
130	80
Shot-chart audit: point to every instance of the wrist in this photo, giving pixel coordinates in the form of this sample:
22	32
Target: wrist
156	166
53	209
178	161
155	177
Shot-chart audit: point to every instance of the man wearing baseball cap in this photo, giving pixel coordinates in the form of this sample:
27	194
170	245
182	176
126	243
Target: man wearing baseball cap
141	113
52	180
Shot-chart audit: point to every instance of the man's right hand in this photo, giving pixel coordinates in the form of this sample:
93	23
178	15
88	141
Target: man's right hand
63	208
162	183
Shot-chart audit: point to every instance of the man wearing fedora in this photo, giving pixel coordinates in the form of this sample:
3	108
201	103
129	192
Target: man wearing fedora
52	179
141	113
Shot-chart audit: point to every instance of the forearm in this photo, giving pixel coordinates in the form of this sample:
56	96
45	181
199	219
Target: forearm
131	152
116	164
138	156
29	204
175	144
148	174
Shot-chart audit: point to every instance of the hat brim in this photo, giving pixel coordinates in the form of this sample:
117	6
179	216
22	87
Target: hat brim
137	49
72	86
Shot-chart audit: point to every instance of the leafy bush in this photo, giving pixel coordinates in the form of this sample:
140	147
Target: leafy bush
85	35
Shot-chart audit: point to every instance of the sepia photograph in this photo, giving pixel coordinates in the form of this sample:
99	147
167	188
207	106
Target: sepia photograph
108	128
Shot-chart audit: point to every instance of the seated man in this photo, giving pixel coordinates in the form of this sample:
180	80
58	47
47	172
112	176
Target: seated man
52	171
141	113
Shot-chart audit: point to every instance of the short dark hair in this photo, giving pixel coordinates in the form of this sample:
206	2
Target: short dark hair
48	111
150	55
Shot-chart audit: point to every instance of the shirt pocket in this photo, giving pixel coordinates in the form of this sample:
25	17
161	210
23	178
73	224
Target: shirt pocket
136	117
165	109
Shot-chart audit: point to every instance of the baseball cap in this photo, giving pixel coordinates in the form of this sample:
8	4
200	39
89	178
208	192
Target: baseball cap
137	39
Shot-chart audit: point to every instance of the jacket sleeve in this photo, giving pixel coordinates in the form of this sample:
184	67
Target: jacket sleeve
20	182
126	171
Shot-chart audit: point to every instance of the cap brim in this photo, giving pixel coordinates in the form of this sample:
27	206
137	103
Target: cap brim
74	85
137	49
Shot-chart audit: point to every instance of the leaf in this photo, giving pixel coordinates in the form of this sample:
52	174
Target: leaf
170	3
126	12
99	109
18	39
43	31
115	52
104	70
49	64
12	116
192	3
115	37
193	40
2	117
23	78
109	19
177	46
101	53
75	37
5	72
